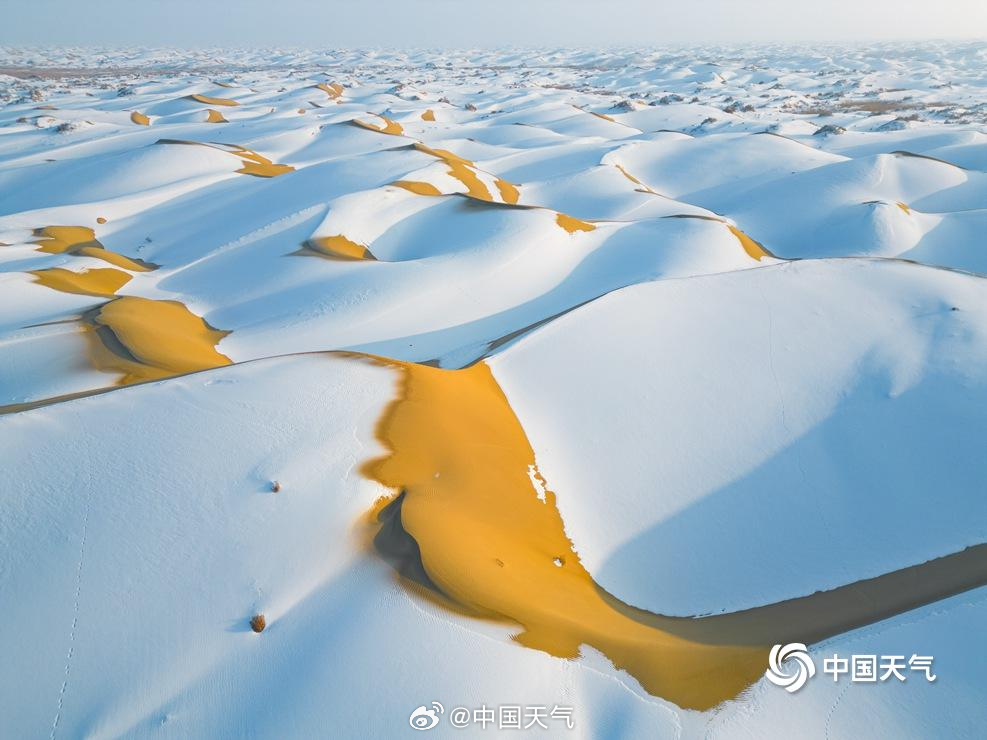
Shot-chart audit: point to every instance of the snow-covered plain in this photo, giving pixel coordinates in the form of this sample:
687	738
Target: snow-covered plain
736	299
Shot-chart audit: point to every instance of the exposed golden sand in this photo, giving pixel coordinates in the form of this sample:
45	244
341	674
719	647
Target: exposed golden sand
643	188
490	544
475	187
144	339
444	154
753	248
253	163
100	220
628	175
418	188
509	192
140	119
333	91
572	225
81	240
466	172
213	101
428	115
100	281
339	247
258	165
904	208
214	116
390	127
476	525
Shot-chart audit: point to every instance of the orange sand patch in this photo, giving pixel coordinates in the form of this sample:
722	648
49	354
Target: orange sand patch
629	176
474	524
753	248
140	119
81	240
144	339
390	127
418	188
214	116
213	101
465	171
572	225
260	166
100	281
333	91
339	247
253	163
496	546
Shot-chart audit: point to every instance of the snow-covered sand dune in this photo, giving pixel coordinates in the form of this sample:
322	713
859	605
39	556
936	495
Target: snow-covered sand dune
640	336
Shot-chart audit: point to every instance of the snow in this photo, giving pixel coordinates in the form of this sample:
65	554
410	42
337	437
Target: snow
721	428
768	433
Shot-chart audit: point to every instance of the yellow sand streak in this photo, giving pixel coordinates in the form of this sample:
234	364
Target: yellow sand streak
390	127
100	281
81	240
509	192
259	165
213	101
214	116
418	188
481	537
428	115
339	247
253	163
572	225
475	187
465	171
444	154
333	91
753	248
492	546
904	208
163	338
264	169
140	119
629	176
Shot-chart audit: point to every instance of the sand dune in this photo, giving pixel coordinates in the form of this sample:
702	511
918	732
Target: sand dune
572	377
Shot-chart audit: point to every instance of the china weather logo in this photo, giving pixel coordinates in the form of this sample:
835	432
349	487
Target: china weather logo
790	666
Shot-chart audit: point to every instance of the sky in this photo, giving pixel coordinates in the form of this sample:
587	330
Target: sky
480	23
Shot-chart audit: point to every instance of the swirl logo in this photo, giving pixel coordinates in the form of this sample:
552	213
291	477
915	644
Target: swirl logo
790	666
424	718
